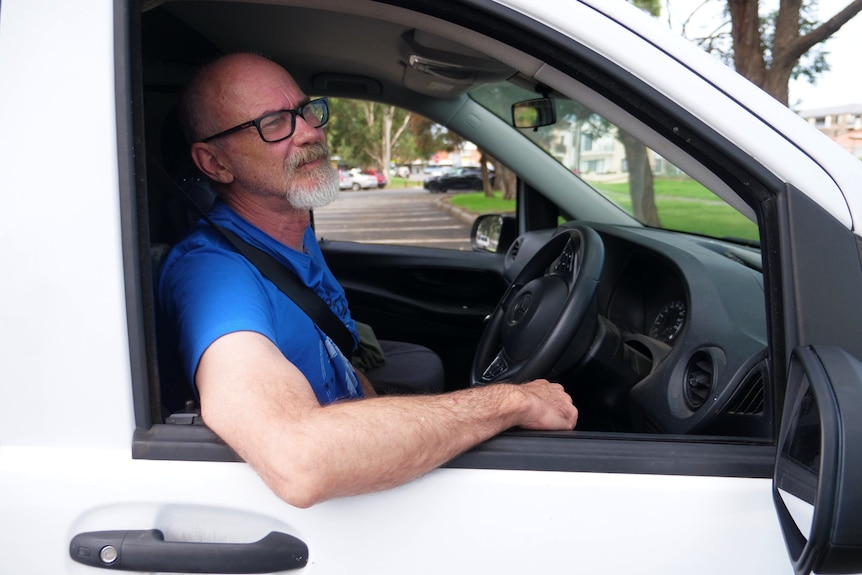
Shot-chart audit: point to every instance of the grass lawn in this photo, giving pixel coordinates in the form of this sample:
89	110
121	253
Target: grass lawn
398	182
683	205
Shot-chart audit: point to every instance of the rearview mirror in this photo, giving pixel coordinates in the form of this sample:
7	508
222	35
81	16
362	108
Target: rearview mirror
817	483
534	113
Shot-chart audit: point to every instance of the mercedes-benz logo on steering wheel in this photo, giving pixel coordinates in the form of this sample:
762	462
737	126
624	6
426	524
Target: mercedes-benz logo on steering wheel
520	308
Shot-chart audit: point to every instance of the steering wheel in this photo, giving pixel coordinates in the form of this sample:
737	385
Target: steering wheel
547	318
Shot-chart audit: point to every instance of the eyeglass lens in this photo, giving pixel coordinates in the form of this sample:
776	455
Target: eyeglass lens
280	125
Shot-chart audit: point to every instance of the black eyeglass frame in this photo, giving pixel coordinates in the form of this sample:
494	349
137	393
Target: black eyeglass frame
298	111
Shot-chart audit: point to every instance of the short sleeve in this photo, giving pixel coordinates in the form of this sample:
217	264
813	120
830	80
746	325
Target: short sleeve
208	292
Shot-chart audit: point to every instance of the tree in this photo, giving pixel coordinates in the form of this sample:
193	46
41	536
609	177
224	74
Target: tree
364	132
641	185
768	49
770	62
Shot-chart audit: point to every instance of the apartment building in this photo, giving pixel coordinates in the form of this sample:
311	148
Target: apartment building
841	123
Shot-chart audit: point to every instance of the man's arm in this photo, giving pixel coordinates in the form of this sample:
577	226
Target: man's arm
263	407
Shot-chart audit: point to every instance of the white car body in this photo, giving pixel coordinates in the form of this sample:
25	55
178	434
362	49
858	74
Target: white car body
362	181
69	415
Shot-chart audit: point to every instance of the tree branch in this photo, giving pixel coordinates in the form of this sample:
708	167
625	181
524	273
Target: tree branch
801	44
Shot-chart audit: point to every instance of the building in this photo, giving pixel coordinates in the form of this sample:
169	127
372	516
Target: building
841	123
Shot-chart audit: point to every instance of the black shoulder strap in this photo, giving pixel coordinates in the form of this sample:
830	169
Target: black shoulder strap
302	295
284	279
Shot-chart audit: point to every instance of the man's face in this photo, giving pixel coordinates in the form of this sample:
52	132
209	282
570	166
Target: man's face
297	169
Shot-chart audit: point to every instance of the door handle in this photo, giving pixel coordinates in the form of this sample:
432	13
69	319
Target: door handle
147	550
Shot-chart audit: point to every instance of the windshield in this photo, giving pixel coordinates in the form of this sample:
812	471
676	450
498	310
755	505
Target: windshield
623	169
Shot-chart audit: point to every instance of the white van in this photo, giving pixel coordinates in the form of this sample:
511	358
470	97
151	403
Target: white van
717	374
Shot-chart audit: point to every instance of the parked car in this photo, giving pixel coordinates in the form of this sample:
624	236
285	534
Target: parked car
435	170
382	180
718	379
345	180
362	180
402	171
466	178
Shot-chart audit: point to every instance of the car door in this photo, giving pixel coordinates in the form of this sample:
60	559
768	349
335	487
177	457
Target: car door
521	502
92	475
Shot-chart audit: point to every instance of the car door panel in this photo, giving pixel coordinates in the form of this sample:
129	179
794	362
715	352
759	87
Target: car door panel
450	520
435	297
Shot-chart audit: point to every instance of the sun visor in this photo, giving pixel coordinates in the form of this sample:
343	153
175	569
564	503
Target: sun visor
442	68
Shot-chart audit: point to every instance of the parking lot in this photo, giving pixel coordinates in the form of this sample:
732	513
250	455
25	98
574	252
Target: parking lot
397	216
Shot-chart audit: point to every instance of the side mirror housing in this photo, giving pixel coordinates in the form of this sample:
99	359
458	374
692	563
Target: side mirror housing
493	233
817	484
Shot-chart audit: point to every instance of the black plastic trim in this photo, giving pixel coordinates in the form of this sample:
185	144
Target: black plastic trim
134	230
823	274
524	450
147	550
180	443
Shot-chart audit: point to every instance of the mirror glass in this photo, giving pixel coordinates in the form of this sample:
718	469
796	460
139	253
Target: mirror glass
534	113
798	466
486	233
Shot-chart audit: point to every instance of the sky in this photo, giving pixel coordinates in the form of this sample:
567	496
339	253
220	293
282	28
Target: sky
842	84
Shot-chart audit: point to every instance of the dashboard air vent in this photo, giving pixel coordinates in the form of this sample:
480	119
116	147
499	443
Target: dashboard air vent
699	375
749	398
513	251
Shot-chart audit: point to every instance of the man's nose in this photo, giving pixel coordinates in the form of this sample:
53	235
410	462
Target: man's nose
303	133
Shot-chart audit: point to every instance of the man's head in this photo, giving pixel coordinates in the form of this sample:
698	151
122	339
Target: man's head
235	90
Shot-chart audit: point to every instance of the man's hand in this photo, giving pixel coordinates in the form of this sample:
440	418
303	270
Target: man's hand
548	406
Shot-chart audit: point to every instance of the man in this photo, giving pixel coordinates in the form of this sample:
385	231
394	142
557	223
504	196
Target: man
279	392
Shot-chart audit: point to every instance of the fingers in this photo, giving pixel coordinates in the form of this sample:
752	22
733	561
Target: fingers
549	406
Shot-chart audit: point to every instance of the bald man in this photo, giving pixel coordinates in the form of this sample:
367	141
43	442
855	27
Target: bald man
271	384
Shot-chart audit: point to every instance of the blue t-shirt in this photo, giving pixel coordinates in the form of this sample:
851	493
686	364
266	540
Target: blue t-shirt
207	289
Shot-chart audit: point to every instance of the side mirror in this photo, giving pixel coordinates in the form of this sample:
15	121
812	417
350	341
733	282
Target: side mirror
493	233
817	484
534	113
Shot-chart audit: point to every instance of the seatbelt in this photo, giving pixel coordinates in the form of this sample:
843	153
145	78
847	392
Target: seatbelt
302	295
283	278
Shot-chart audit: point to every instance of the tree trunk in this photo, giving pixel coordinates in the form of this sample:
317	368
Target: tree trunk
486	180
641	185
504	179
748	57
386	151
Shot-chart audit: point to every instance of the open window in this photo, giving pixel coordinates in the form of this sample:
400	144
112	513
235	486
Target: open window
678	359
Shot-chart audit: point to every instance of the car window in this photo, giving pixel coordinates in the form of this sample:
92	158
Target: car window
623	169
428	201
655	294
430	193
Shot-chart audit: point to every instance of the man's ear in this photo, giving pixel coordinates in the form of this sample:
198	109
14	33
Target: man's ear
206	158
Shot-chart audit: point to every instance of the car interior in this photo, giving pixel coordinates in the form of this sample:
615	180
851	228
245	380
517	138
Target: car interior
651	331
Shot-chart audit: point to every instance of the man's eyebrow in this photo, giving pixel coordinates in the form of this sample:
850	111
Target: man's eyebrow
302	103
276	110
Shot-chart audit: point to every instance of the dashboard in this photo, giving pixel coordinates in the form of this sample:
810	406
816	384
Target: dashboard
649	298
682	333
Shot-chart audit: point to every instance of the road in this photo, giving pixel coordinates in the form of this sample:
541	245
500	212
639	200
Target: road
392	216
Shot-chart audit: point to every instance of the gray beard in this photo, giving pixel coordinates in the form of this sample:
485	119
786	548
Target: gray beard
322	190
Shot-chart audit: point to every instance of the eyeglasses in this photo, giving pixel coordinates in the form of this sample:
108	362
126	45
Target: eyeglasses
278	126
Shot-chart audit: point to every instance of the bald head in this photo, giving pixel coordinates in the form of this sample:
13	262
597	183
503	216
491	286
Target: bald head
220	93
251	174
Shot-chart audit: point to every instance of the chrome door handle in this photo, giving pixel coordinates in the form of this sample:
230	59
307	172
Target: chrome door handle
147	550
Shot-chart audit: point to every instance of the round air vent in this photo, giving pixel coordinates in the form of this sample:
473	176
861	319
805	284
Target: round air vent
699	376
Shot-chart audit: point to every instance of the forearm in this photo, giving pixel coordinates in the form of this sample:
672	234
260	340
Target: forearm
264	408
357	447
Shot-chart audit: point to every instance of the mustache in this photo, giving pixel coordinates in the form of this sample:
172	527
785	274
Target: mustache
307	154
